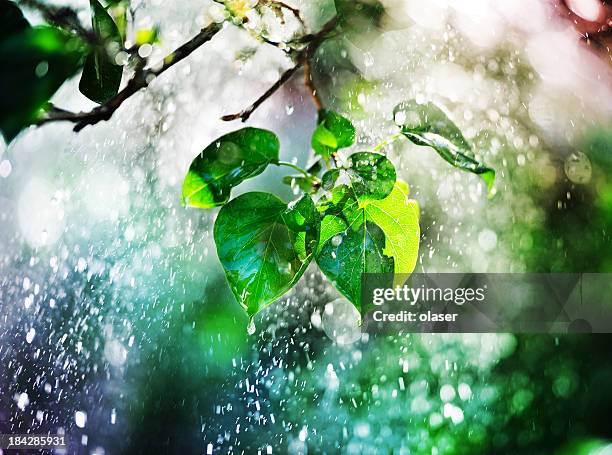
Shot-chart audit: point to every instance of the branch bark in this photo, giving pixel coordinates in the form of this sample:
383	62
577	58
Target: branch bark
141	79
144	76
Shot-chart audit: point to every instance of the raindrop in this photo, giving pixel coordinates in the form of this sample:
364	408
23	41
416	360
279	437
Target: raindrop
368	59
30	335
22	401
5	168
289	108
145	50
340	322
42	69
487	239
251	327
80	418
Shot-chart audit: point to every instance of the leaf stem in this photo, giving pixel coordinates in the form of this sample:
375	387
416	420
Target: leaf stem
296	168
388	141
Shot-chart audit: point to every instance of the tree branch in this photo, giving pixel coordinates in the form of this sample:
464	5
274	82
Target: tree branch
246	113
303	58
141	79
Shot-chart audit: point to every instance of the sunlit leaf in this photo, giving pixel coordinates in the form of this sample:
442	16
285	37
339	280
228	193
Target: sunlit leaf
265	245
426	124
388	230
226	163
101	76
333	132
35	62
398	217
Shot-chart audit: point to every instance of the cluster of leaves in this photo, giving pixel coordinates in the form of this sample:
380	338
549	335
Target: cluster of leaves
42	58
353	218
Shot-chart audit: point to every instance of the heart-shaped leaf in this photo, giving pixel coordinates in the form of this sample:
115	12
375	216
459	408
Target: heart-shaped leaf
369	236
226	163
101	76
35	62
265	245
333	132
355	249
428	125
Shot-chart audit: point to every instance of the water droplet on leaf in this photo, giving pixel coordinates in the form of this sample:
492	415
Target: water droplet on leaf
251	327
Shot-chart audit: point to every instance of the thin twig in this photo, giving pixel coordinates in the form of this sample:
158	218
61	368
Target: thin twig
141	79
302	58
246	113
294	11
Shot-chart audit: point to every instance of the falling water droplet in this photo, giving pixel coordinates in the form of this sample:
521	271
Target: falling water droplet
251	327
289	108
22	401
30	335
5	168
80	418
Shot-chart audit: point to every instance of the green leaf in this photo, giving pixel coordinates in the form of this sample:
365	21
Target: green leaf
356	249
333	132
265	245
426	124
398	217
35	62
101	76
368	175
369	236
226	163
11	19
